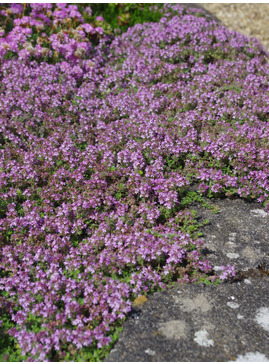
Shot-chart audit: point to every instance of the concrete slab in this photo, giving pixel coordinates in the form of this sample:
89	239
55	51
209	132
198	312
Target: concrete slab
195	322
236	235
223	323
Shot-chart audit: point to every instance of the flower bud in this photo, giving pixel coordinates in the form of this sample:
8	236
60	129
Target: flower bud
45	52
90	64
39	27
9	11
5	45
79	52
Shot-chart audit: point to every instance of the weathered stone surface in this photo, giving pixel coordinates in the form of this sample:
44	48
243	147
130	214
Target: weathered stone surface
231	323
238	234
195	322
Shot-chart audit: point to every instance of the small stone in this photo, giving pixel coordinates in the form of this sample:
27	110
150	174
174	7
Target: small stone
232	235
150	352
232	255
233	304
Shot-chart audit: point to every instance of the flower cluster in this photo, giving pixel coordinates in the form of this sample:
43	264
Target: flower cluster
95	164
49	32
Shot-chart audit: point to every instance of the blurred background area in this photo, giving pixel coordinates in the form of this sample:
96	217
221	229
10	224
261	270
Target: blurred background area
249	19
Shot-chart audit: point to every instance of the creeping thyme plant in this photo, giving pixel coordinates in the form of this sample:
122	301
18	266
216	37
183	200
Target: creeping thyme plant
102	134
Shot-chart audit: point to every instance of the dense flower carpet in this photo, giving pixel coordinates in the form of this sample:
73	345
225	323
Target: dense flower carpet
102	134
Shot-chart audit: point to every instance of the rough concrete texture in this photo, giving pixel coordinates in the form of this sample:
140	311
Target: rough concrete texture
238	234
223	323
195	322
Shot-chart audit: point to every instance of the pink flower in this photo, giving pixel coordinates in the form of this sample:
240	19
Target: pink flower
99	18
99	30
88	10
88	28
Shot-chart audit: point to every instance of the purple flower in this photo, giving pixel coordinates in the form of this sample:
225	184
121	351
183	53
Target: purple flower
99	18
100	146
88	28
88	10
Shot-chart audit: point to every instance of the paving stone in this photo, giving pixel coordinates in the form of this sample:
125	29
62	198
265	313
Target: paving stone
229	322
195	322
235	235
